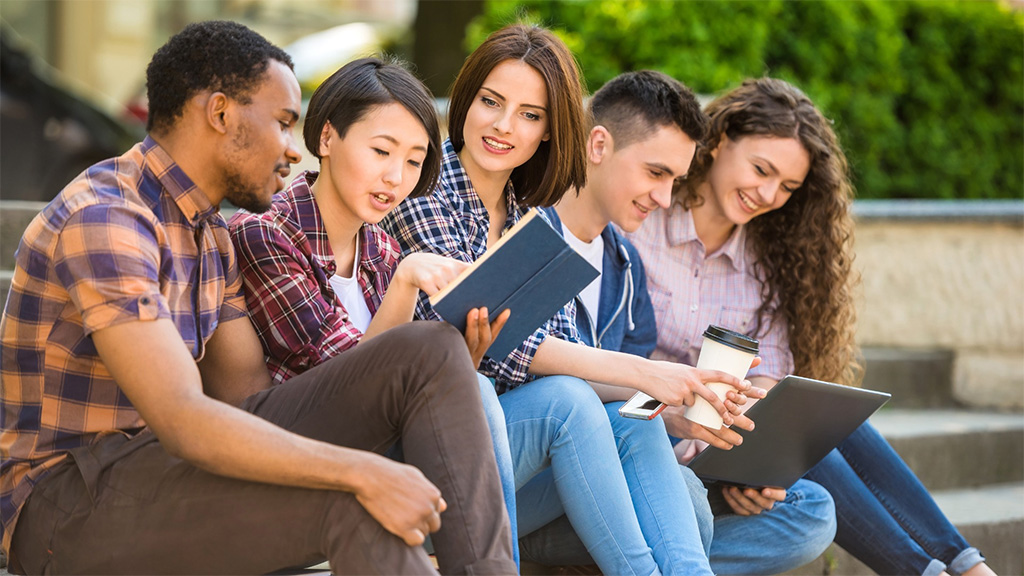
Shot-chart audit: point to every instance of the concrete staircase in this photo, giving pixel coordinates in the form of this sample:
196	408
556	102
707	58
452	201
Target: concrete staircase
971	461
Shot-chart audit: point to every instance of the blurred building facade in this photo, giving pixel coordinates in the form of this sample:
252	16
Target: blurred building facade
101	47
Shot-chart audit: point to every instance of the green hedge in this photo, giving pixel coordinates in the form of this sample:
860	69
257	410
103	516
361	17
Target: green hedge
928	97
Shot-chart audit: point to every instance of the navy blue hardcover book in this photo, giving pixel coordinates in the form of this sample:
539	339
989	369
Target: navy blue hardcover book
530	271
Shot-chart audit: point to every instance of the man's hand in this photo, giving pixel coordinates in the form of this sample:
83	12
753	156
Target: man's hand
724	438
427	272
480	332
678	385
750	502
401	499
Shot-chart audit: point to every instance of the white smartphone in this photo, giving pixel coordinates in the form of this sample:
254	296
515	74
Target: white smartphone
642	407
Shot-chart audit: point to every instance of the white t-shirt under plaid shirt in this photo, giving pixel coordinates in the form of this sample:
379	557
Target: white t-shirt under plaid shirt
690	290
452	221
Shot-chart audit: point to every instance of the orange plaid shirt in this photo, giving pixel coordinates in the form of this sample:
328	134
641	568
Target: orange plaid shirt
130	239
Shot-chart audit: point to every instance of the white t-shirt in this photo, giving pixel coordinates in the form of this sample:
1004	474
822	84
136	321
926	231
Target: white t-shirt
350	294
592	252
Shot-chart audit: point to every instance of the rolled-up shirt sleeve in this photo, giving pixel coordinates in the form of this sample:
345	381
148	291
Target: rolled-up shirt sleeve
107	257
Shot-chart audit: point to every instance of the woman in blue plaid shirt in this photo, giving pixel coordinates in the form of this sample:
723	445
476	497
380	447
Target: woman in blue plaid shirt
518	134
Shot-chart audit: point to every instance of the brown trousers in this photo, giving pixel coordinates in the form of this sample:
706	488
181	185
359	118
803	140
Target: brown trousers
124	506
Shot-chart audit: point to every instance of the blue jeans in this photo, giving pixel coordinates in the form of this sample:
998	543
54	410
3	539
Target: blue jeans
887	519
793	533
615	479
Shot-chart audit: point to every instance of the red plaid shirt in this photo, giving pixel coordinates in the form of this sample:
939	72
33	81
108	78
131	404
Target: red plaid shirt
123	242
286	264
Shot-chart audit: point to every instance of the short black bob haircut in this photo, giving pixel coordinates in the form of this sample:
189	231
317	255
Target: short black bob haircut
633	105
361	85
214	55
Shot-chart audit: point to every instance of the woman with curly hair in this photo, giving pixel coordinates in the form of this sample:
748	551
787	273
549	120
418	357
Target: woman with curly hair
758	239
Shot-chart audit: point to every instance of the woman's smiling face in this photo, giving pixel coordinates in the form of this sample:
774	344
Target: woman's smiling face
755	175
507	120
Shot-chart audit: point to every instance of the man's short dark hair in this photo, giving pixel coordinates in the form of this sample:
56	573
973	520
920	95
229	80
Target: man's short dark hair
633	105
215	55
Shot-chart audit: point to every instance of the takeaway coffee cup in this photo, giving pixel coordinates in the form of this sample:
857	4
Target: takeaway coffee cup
730	352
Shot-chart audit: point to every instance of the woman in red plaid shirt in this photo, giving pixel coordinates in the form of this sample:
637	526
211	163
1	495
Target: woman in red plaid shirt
319	275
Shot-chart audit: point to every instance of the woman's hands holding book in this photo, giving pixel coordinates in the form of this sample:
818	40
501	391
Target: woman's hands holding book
431	273
480	332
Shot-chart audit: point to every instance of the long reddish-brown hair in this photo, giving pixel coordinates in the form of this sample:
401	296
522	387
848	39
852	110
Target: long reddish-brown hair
559	164
802	251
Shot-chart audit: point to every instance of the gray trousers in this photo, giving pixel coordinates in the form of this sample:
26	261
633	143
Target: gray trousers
125	506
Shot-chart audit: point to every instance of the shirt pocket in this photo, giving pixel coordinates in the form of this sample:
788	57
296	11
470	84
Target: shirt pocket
661	301
738	319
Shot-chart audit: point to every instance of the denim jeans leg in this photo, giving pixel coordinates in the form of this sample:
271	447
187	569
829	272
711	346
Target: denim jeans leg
556	544
791	534
559	421
701	507
502	453
865	528
656	484
896	486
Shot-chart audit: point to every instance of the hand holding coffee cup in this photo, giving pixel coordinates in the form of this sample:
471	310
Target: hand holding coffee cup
730	352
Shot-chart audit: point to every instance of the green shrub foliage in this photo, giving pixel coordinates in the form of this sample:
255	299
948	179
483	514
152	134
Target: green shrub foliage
927	96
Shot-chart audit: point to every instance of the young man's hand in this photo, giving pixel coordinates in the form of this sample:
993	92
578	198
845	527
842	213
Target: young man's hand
724	438
401	499
480	332
750	502
679	384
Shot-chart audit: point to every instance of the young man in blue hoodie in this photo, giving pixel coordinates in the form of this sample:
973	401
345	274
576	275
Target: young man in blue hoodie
646	127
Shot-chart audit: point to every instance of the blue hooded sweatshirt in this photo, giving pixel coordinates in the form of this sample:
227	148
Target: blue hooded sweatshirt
625	322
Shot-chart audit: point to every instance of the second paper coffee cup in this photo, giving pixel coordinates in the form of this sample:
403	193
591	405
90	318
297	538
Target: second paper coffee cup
730	352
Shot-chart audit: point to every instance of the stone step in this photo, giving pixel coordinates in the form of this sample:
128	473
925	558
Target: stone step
14	218
5	285
915	378
952	448
990	518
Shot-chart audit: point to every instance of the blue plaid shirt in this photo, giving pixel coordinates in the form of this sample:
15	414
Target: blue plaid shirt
452	221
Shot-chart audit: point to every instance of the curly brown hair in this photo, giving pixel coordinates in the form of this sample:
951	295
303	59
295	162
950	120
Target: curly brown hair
802	251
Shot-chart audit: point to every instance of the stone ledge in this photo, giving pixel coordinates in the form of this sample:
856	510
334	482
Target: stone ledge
1007	211
992	379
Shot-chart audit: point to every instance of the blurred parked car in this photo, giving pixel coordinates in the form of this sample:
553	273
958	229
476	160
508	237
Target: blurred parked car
48	135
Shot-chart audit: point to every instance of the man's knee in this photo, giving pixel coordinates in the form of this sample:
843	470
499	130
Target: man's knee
433	346
817	515
426	339
817	504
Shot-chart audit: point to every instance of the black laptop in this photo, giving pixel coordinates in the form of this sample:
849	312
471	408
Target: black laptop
796	425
